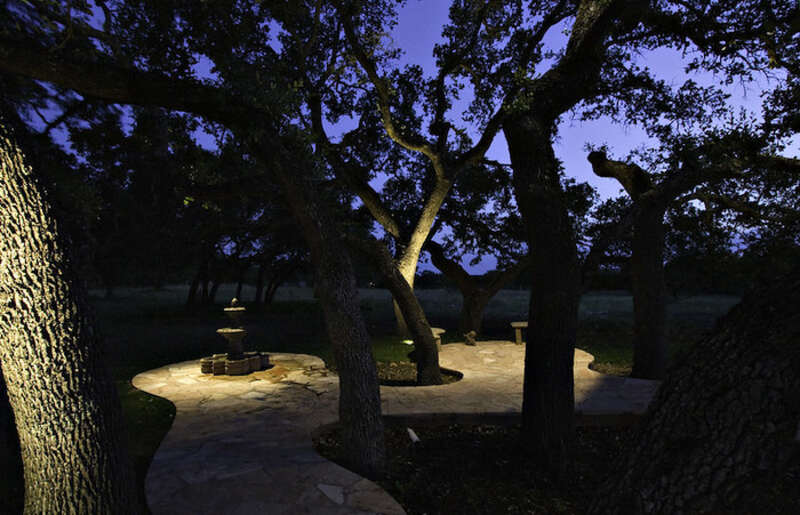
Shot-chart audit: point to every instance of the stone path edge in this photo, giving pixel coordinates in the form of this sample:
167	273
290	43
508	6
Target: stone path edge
215	442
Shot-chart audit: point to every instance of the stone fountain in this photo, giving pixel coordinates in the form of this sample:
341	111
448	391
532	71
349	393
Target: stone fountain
235	362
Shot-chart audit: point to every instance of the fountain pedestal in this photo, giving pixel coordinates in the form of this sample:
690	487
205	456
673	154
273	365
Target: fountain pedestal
234	336
236	361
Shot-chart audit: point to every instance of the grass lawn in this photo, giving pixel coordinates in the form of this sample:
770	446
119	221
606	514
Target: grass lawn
145	329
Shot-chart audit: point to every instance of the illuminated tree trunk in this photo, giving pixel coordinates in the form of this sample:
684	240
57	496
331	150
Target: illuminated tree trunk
408	270
725	417
65	405
426	354
548	390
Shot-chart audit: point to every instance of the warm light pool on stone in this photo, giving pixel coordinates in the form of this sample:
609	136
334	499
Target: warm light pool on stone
242	444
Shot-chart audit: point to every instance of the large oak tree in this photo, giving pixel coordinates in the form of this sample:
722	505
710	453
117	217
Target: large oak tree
65	404
132	60
725	419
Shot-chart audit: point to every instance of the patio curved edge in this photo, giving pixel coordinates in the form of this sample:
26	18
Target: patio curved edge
243	444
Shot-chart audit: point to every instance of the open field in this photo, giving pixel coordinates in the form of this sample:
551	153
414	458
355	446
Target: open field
145	329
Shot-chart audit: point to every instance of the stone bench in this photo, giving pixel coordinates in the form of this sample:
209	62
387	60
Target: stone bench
518	327
437	335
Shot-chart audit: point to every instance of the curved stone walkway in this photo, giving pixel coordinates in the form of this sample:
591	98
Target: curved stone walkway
241	445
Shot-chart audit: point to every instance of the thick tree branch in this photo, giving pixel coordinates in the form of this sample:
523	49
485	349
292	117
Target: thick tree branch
414	142
724	202
449	267
68	113
575	75
635	180
110	82
450	65
347	173
427	217
505	276
790	164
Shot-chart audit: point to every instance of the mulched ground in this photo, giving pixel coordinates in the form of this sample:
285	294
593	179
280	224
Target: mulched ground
481	469
404	373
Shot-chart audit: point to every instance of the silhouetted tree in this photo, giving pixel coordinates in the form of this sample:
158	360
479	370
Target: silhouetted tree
724	420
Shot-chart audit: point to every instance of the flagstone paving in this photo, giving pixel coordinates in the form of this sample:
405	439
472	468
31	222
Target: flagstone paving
242	444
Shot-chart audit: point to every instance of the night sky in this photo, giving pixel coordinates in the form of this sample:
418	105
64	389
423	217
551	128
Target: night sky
419	29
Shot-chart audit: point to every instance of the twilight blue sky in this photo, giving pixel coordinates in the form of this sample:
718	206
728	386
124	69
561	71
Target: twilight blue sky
419	29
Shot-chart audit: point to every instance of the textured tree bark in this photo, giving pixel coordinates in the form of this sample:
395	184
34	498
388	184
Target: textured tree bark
725	417
359	405
66	408
426	354
548	390
647	283
407	269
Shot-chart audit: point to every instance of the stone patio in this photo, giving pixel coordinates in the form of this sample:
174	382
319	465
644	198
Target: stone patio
242	444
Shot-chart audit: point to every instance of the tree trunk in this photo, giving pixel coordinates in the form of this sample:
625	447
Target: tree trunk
239	283
475	294
725	418
191	298
204	290
408	272
359	393
647	283
269	295
472	306
548	390
260	284
400	327
212	293
65	404
426	353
